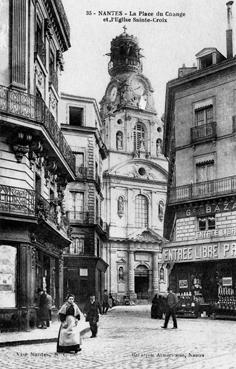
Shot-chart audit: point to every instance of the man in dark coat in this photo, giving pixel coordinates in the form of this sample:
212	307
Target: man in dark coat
105	303
91	312
43	312
171	304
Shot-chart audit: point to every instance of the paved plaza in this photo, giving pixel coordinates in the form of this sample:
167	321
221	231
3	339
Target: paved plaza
129	338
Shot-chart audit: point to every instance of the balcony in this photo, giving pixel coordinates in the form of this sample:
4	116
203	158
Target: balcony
32	108
203	133
81	217
24	202
203	190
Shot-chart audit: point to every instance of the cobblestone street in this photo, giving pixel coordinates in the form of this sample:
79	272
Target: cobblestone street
128	338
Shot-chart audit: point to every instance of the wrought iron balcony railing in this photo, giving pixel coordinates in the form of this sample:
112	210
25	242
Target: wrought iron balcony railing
20	201
203	132
78	216
202	190
33	108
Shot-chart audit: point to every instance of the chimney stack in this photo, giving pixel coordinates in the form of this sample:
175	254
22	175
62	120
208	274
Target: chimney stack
229	31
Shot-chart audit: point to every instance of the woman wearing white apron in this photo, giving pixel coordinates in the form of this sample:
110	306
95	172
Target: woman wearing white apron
69	333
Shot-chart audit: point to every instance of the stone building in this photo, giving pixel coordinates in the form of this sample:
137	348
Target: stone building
35	161
134	177
84	267
199	140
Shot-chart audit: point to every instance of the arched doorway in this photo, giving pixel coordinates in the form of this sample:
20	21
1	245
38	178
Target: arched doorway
141	282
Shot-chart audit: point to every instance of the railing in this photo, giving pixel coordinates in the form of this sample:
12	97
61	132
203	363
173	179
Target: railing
20	201
53	79
34	108
203	132
222	186
17	200
78	216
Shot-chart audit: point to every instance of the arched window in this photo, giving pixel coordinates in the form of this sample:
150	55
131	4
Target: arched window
139	136
141	211
119	140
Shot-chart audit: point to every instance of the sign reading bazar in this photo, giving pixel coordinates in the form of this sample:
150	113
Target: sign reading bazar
220	250
206	209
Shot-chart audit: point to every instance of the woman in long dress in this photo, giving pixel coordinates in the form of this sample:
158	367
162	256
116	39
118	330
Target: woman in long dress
69	334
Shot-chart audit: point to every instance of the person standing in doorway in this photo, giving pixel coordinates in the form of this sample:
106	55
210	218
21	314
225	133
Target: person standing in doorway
91	313
171	304
43	311
105	303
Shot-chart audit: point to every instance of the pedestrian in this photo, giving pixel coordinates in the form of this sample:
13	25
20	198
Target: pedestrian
49	300
156	307
110	301
105	304
69	333
91	313
171	304
43	312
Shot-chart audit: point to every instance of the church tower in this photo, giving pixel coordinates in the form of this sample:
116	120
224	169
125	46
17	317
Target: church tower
135	176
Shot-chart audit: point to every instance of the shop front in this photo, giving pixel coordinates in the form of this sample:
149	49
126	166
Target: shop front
204	278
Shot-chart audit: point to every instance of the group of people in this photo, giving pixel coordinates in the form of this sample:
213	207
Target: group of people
165	306
44	308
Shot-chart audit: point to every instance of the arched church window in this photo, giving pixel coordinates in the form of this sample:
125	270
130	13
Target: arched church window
120	206
119	140
139	137
161	210
121	273
141	211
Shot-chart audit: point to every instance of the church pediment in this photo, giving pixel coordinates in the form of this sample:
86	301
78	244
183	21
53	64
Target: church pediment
140	169
146	235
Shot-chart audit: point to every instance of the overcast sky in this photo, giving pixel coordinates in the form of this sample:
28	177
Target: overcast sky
166	45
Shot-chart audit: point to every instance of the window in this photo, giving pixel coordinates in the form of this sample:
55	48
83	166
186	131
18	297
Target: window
119	140
139	136
204	115
205	171
141	211
76	205
79	164
77	246
39	42
76	116
206	224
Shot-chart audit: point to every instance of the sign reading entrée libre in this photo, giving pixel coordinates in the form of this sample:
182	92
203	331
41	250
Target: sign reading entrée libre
200	252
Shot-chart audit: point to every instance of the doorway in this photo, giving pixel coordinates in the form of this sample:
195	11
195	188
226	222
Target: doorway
141	282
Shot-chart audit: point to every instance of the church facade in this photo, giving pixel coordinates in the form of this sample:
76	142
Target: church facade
134	177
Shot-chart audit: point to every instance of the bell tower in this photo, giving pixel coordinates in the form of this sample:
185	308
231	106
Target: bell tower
135	173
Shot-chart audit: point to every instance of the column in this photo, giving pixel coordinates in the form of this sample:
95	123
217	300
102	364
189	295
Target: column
113	272
155	277
131	273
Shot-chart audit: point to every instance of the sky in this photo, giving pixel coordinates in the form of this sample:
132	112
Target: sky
166	45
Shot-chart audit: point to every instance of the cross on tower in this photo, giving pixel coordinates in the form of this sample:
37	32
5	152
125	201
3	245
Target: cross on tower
125	28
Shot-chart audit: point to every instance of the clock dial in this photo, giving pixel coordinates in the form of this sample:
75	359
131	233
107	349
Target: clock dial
113	93
137	87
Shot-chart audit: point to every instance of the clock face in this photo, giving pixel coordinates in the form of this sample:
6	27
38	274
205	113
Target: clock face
113	93
137	87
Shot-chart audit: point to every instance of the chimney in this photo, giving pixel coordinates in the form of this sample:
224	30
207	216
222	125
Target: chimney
229	31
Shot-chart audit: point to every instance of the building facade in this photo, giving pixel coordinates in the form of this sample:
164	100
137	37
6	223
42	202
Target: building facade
134	177
200	217
35	162
84	267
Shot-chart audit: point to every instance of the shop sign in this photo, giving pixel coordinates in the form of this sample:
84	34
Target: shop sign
183	283
227	281
216	233
207	209
220	250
